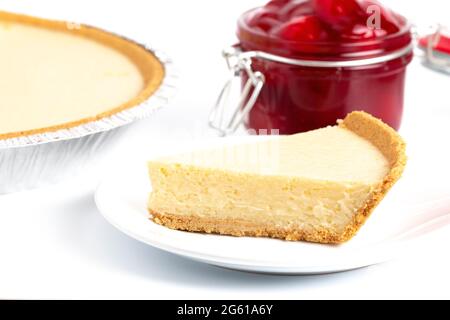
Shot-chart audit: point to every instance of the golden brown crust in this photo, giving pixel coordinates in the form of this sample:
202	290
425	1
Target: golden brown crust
389	142
150	67
382	136
241	228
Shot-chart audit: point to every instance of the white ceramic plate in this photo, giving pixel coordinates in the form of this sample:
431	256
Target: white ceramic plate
391	230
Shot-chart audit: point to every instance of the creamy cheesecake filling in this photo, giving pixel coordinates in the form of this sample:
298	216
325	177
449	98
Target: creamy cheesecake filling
312	181
328	154
294	203
48	77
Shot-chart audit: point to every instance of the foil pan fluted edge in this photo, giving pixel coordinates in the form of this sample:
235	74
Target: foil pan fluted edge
48	163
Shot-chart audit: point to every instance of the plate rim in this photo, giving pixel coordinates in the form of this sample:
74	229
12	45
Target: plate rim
246	264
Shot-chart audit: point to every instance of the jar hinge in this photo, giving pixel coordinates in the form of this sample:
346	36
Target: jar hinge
250	92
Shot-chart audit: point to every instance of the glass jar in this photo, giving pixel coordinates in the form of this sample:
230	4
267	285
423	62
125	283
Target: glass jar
305	85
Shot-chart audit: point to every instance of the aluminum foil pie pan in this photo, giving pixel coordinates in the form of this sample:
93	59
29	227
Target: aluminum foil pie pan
39	159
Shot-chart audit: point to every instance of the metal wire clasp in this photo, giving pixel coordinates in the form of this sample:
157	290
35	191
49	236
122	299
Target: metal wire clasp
237	63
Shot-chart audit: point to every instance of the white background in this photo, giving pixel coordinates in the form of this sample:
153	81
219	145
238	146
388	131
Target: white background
54	243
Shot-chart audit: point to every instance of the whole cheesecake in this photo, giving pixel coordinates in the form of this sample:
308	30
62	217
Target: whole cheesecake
318	186
58	75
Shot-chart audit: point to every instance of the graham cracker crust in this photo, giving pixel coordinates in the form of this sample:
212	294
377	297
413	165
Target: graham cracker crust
391	145
372	129
239	228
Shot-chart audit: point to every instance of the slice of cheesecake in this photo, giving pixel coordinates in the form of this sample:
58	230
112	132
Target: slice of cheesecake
318	186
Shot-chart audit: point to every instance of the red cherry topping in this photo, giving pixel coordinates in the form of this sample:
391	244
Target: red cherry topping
362	32
320	20
297	9
263	19
267	24
304	28
339	14
277	4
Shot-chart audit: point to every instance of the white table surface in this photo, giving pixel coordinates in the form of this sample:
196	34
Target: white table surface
55	244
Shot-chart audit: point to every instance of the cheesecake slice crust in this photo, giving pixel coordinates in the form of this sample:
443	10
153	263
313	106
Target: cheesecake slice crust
297	208
391	146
